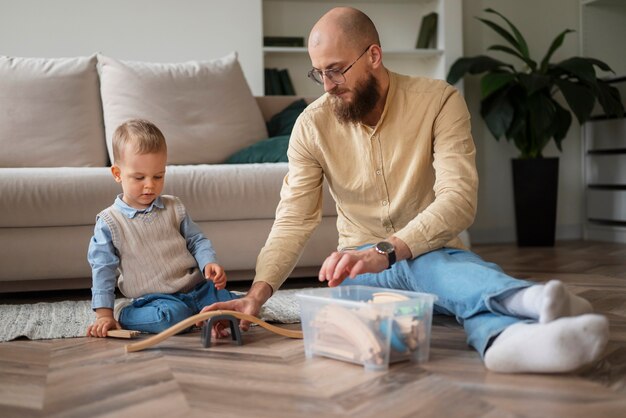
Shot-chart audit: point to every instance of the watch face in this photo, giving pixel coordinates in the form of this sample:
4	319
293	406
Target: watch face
384	247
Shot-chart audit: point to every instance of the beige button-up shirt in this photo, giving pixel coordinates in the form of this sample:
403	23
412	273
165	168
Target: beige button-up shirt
412	176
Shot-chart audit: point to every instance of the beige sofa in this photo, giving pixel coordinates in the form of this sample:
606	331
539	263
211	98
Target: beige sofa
56	120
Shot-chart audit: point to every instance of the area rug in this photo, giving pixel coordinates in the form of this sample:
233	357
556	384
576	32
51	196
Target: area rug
41	321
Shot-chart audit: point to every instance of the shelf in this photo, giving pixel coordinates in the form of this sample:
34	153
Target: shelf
425	53
284	50
602	2
357	1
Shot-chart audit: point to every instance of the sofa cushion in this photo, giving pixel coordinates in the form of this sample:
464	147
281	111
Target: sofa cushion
50	113
282	122
205	109
270	150
52	197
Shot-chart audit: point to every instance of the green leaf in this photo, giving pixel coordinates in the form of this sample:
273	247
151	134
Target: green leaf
561	124
502	32
522	46
556	44
475	65
603	66
580	68
497	111
534	82
610	99
530	63
579	97
493	82
541	113
518	124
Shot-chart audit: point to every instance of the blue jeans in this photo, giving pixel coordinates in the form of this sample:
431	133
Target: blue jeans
466	286
156	312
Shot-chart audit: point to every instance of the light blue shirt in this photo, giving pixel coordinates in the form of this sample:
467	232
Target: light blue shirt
104	261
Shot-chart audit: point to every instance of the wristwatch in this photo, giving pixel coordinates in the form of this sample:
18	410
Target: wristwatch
386	248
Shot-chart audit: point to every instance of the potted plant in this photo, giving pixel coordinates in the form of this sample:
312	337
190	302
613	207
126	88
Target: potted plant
520	105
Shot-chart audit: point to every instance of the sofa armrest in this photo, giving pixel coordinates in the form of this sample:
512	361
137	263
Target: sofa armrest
271	105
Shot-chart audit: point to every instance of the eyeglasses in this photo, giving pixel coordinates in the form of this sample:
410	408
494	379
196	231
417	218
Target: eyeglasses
336	76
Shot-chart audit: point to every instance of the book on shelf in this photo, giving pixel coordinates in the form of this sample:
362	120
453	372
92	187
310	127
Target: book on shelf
289	41
268	82
285	82
278	82
427	37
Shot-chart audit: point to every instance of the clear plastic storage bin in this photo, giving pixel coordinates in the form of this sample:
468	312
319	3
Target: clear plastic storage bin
366	325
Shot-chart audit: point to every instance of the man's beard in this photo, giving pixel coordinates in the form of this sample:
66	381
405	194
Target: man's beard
365	98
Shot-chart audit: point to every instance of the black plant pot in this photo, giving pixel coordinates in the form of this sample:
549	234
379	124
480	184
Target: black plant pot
535	185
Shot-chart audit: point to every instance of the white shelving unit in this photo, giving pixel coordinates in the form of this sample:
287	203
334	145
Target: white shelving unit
603	28
397	21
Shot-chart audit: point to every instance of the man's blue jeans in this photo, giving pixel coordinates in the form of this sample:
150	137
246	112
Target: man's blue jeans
156	312
466	286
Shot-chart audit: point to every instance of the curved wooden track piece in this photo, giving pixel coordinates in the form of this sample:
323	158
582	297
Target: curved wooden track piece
175	329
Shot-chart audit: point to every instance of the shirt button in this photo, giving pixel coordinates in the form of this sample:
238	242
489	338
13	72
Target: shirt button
384	202
378	172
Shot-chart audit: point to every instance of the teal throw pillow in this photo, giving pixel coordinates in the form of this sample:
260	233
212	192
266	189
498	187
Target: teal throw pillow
282	122
270	150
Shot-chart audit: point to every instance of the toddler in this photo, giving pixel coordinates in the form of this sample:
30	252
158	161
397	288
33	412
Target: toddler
147	243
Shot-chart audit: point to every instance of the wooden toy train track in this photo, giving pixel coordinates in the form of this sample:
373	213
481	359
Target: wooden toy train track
203	316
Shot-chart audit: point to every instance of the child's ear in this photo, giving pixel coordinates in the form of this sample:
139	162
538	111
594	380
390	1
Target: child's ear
117	173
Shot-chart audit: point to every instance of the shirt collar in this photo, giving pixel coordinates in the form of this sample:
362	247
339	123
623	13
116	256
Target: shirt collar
131	212
391	92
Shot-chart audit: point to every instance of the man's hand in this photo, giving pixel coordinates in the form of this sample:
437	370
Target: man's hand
249	304
340	265
104	322
216	274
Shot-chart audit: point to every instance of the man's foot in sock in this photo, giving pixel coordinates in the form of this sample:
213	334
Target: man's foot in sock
558	302
563	345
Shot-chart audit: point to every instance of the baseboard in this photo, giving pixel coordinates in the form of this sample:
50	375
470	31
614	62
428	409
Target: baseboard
605	233
40	285
507	234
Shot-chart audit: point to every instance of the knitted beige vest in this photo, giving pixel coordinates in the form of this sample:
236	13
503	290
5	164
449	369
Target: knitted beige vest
153	254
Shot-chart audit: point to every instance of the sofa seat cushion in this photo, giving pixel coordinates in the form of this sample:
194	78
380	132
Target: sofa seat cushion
50	113
71	196
205	109
225	192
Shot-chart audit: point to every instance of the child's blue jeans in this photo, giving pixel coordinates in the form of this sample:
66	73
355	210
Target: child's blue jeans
466	286
156	312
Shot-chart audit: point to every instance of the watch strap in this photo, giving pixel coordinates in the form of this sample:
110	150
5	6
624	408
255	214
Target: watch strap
392	258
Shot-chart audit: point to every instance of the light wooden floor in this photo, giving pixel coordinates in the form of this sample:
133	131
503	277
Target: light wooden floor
269	377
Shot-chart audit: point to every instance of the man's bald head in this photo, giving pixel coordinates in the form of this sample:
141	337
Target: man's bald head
351	26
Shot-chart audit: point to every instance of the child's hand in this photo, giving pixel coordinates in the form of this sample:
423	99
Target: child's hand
102	324
216	274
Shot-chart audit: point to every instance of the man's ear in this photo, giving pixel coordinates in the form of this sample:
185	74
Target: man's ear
376	56
117	173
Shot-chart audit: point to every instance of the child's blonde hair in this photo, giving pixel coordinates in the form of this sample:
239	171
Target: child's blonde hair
143	136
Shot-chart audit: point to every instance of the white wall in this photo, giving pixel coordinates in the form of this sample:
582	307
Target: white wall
539	21
142	30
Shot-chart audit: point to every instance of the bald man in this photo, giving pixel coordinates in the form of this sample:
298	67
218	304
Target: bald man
398	155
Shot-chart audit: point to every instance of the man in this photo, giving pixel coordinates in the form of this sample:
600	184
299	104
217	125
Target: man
398	156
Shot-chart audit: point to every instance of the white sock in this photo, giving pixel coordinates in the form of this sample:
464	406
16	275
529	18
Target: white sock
563	345
546	302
